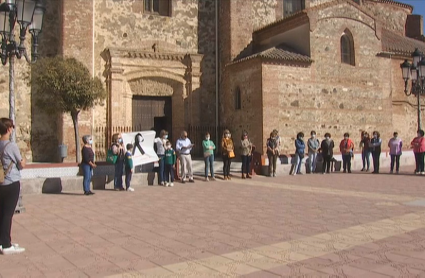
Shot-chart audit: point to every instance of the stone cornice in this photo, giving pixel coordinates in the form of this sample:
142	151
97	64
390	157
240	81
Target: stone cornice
143	54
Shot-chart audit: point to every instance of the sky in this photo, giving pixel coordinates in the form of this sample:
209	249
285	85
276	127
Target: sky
418	6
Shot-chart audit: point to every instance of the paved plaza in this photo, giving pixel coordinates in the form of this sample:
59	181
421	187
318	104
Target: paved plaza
338	225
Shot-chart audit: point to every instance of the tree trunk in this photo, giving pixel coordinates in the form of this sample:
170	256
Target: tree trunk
74	115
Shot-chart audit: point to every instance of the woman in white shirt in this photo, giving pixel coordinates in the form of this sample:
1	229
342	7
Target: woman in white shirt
160	142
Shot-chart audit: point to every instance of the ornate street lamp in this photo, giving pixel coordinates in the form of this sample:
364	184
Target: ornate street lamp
416	73
29	15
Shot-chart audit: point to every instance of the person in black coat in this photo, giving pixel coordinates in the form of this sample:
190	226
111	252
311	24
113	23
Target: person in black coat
326	148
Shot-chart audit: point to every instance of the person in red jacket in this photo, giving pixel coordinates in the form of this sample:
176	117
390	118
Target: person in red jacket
418	145
346	147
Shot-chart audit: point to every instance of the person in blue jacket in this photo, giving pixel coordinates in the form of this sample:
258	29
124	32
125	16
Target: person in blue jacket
299	153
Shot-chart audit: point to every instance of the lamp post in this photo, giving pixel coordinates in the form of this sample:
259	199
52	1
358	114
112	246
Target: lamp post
415	72
29	15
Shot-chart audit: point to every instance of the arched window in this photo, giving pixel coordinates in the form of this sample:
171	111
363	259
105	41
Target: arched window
347	48
160	7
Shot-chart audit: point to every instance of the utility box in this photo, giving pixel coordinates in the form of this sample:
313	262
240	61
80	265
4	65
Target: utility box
63	152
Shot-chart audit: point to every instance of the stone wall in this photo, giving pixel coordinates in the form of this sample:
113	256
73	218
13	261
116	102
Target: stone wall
247	76
331	96
392	16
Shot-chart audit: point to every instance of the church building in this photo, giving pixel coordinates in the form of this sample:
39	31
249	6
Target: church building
255	65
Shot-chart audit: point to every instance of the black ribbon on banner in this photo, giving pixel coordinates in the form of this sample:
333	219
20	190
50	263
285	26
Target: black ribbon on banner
137	140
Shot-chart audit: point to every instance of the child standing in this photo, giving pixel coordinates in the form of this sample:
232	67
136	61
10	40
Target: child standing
170	161
128	162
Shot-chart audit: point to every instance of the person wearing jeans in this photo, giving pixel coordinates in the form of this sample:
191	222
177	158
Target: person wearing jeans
208	147
87	164
299	153
246	152
395	145
118	150
170	161
12	162
375	144
365	147
418	144
346	147
160	152
313	147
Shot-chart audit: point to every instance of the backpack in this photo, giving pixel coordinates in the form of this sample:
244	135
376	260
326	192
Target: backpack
111	157
4	173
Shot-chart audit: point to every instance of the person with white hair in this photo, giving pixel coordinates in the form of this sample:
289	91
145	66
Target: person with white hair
184	147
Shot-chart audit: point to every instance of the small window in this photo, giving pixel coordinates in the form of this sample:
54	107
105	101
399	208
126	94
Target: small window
292	6
238	99
159	7
347	48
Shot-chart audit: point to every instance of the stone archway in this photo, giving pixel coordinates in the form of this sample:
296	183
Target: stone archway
152	76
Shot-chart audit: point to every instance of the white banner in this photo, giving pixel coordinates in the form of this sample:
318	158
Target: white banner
142	141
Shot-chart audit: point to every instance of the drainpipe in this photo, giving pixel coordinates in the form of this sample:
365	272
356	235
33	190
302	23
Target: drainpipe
93	60
216	73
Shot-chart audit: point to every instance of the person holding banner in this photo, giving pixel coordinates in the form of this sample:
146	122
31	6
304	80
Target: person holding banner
118	149
160	151
184	147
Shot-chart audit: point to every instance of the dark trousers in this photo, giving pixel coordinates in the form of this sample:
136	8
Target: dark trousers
246	164
128	175
346	162
169	172
226	165
272	163
419	158
9	195
366	159
87	174
327	163
375	157
396	159
161	162
119	169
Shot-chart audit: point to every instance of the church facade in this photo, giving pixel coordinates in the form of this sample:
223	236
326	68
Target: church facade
255	65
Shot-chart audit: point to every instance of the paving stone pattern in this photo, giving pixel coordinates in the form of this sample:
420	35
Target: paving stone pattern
337	225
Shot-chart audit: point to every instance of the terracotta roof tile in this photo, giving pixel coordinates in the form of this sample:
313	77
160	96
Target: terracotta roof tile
400	45
282	53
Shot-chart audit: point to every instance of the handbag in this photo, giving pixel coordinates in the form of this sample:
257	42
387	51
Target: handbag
207	154
4	173
111	157
231	154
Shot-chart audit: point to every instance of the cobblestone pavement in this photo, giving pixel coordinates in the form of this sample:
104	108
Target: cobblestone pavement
337	225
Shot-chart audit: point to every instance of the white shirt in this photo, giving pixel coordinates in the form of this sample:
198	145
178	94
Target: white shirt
160	145
184	142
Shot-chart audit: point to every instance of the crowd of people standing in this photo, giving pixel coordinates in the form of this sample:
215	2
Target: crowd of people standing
319	152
